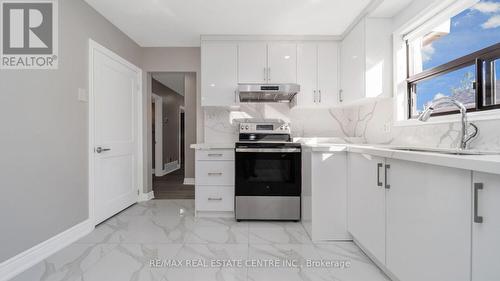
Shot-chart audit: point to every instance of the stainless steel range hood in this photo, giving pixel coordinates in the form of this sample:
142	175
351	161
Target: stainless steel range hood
267	92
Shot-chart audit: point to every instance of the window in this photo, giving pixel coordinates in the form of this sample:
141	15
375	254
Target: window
456	57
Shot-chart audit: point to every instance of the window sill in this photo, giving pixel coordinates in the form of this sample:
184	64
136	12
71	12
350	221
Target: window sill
493	114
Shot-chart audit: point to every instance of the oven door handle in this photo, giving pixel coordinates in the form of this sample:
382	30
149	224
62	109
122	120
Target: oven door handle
269	150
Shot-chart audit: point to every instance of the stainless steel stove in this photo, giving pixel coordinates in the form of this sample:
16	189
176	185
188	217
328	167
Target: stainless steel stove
268	172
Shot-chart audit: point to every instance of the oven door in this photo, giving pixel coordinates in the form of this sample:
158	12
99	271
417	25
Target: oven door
268	172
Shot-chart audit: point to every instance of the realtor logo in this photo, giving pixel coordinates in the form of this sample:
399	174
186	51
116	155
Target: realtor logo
28	34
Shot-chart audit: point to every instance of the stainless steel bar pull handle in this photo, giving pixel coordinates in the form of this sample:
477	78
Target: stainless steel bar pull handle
214	199
265	74
379	183
319	96
477	186
101	150
387	185
215	174
314	96
215	155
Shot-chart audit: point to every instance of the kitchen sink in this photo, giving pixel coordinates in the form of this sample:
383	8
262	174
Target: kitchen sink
447	151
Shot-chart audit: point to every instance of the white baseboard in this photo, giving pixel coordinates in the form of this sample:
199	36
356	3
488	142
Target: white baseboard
146	196
189	181
36	254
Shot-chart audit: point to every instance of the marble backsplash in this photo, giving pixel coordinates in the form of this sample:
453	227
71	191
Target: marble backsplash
370	123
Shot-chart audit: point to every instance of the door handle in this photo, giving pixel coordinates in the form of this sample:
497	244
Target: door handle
269	74
265	74
379	165
387	185
319	96
215	155
341	99
100	149
314	96
477	186
215	174
214	199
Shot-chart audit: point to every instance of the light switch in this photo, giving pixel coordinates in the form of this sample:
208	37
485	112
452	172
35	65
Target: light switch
82	95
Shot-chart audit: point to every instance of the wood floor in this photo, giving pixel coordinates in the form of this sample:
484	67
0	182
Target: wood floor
171	186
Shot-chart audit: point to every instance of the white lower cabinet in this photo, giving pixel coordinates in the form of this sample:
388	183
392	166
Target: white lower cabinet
214	191
428	222
324	194
486	227
214	198
366	197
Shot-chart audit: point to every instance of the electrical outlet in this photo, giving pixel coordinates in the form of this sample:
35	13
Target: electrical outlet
82	95
387	127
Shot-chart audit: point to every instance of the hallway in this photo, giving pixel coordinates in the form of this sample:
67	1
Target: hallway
171	186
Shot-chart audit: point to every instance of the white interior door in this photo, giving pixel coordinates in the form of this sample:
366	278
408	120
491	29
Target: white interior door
158	102
115	88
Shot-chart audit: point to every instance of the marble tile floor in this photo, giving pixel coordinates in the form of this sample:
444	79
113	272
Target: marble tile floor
187	248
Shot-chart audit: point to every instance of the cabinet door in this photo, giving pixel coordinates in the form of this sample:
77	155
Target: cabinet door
219	74
307	74
367	203
428	222
328	88
353	64
378	58
252	62
282	63
485	234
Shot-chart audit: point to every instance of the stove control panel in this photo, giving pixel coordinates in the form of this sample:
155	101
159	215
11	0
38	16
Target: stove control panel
265	128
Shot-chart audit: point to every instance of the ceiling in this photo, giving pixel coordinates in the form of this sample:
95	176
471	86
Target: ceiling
172	80
162	23
389	8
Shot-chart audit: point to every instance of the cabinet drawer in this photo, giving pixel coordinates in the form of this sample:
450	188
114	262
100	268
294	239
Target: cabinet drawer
215	154
214	172
214	198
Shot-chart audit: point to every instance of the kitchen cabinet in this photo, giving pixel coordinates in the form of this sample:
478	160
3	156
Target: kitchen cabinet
272	63
366	197
317	74
366	61
252	62
324	194
219	79
486	227
282	63
214	187
428	221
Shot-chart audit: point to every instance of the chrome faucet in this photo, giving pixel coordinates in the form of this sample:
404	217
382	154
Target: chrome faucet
466	136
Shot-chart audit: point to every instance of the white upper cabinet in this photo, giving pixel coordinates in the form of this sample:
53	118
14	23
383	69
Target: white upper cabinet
486	227
366	61
428	222
252	62
219	79
317	74
328	72
282	63
314	65
307	74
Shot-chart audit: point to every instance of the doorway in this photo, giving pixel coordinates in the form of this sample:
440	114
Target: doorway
168	131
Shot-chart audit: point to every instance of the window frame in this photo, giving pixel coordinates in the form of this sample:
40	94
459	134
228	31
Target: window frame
477	58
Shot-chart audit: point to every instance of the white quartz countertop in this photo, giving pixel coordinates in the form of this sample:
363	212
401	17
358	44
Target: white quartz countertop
208	146
481	163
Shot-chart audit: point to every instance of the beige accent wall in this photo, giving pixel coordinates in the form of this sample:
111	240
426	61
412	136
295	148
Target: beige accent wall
174	59
44	149
172	102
